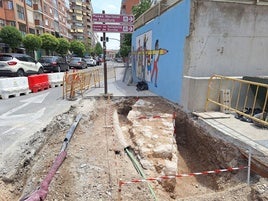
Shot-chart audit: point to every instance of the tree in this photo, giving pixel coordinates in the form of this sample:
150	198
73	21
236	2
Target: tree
32	42
63	46
139	9
125	48
98	49
78	48
49	42
89	50
11	36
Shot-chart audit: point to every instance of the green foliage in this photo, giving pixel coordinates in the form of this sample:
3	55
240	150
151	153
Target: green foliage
89	50
49	42
139	9
32	42
11	36
98	49
63	46
125	50
127	39
78	48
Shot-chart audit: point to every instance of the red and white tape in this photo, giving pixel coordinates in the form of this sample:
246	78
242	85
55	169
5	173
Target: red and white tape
183	175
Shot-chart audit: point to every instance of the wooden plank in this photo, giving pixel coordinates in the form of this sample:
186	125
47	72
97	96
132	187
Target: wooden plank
211	115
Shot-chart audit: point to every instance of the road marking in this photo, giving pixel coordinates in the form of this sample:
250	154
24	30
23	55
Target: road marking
19	120
35	99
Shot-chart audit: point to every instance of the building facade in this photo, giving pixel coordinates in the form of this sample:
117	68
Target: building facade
70	19
81	21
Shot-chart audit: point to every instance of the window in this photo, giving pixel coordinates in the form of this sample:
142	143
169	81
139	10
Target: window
32	31
29	2
20	11
21	58
22	29
45	8
1	3
2	23
30	59
11	23
10	5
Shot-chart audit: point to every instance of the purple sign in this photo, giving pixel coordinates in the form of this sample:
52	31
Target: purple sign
112	18
113	28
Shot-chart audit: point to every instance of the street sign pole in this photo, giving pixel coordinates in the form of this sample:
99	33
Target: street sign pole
125	26
104	60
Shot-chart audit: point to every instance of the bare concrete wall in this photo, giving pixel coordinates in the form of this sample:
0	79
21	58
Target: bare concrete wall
227	38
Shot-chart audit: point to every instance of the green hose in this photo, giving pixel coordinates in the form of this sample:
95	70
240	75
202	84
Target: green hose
139	170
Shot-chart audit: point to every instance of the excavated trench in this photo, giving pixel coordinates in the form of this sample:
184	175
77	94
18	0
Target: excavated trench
197	151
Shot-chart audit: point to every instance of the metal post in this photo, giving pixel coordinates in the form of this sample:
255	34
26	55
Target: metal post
249	164
104	60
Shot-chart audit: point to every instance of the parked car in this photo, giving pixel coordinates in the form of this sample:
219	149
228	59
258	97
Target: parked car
54	63
78	62
91	62
119	60
15	64
98	61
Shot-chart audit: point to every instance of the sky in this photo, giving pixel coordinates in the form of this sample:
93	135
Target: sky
110	7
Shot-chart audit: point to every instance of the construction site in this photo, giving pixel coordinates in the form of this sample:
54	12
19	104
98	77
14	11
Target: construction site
197	131
134	147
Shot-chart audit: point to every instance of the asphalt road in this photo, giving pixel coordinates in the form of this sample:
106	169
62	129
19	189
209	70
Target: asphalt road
21	117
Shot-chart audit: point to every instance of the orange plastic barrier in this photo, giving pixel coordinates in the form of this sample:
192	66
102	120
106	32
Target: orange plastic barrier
38	82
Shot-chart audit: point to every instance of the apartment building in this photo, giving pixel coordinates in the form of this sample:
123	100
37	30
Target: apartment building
81	21
51	16
69	19
126	6
36	16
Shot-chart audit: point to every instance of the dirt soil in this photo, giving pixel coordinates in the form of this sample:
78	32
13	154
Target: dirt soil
96	160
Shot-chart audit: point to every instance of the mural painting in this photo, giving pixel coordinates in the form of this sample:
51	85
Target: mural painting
146	58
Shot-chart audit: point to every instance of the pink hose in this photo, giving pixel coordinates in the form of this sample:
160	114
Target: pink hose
41	194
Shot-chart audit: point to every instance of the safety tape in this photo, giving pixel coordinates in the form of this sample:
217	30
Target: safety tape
229	169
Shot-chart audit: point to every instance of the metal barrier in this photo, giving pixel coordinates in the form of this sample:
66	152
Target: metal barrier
232	94
80	81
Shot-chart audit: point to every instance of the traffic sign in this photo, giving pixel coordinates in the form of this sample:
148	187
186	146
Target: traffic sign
112	18
113	28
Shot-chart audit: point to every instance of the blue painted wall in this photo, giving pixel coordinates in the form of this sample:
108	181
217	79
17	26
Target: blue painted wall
171	30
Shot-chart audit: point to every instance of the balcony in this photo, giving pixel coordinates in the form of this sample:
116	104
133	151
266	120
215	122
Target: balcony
38	23
37	8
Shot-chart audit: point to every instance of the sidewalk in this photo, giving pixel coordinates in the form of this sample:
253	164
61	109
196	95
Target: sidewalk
118	88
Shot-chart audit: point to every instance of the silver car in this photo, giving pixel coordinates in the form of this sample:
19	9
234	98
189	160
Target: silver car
78	63
15	64
90	61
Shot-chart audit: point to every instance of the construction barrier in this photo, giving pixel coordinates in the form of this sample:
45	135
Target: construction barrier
217	171
79	81
240	96
38	82
72	82
55	79
13	87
